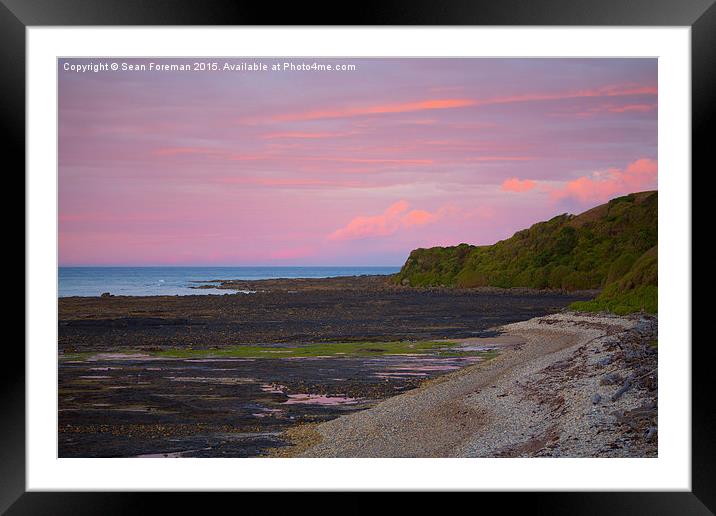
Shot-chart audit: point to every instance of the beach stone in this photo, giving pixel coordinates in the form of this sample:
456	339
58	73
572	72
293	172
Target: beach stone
604	361
610	379
596	399
625	387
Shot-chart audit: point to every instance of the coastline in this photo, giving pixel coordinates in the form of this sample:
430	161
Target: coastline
224	375
363	282
181	280
375	282
297	310
580	385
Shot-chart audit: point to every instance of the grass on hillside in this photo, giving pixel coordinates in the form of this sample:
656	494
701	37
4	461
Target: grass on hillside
608	247
637	290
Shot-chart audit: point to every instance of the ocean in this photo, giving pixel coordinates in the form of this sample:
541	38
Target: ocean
172	281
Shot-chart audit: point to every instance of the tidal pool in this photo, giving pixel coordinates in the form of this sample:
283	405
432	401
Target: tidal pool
203	404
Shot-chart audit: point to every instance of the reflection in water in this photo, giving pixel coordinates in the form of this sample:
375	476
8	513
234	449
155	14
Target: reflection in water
266	412
223	406
320	399
273	388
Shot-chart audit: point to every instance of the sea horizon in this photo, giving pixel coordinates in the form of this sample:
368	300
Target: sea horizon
170	280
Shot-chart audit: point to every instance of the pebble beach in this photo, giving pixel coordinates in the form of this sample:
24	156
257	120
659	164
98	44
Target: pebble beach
564	385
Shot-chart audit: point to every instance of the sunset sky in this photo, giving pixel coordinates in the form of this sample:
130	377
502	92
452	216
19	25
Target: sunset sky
342	168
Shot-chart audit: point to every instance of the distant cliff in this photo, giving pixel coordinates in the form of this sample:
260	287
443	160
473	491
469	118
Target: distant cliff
612	246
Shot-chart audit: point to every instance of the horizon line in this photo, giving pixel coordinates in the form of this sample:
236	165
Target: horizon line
233	266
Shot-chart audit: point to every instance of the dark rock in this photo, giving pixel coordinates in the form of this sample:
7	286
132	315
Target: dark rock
596	399
129	322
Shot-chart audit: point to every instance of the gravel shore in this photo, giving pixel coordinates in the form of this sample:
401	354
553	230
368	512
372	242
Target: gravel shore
564	385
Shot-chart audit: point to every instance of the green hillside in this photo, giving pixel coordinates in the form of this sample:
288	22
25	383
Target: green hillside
612	247
636	290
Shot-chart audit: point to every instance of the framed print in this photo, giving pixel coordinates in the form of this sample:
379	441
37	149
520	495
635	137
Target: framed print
419	252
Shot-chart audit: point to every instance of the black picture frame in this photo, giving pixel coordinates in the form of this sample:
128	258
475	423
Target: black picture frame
17	15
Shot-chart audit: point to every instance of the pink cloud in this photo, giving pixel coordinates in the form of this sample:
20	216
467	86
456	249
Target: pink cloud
410	107
618	90
226	155
639	108
205	152
398	216
489	159
605	91
292	182
301	135
178	151
626	89
601	186
371	160
380	109
514	184
611	108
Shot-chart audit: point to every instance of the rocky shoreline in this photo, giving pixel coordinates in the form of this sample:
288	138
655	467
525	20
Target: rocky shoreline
318	363
364	308
375	283
579	386
224	375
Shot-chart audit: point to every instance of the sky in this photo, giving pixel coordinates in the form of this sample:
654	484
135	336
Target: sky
357	167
